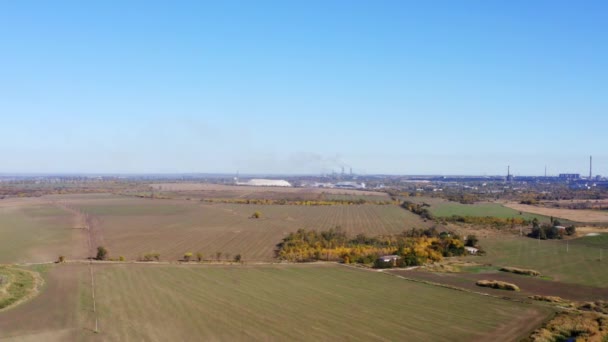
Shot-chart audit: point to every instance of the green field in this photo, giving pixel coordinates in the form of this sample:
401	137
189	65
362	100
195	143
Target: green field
565	262
599	241
447	209
37	232
278	303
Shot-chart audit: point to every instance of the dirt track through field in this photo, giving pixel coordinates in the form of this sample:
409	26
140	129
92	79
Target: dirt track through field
529	285
586	216
86	222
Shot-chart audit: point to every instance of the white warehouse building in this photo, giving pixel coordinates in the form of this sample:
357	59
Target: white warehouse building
267	182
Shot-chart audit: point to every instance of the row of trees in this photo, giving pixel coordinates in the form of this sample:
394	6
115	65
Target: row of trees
414	247
326	202
102	254
189	256
421	210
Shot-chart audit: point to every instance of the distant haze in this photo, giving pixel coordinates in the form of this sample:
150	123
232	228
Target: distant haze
392	87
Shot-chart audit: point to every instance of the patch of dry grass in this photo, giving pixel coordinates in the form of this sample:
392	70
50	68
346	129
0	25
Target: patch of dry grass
523	271
497	284
16	286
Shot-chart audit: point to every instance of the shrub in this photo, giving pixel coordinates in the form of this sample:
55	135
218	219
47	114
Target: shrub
121	258
199	256
61	259
497	284
471	241
102	253
237	258
570	230
570	326
379	263
150	257
187	256
256	215
597	306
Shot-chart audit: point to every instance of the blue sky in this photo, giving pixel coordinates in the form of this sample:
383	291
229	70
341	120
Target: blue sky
400	87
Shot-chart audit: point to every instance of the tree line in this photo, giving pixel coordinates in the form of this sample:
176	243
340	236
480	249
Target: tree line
329	202
414	247
103	254
550	231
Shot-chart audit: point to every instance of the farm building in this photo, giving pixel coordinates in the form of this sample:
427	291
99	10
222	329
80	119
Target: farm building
267	182
390	259
350	185
471	250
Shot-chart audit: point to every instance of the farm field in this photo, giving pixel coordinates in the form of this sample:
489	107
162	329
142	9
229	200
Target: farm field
586	216
567	262
61	312
219	191
447	209
131	227
599	241
32	230
279	302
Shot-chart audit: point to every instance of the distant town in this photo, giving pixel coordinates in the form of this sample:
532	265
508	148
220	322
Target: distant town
489	187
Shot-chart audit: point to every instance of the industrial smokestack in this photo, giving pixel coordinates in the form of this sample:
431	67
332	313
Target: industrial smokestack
590	166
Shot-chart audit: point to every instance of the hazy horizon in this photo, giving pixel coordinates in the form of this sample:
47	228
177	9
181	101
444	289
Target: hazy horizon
389	87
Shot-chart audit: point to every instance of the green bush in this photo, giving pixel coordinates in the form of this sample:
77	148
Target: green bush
102	253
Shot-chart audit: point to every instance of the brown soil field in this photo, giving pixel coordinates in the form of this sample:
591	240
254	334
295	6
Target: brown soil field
586	216
56	314
528	285
131	227
37	230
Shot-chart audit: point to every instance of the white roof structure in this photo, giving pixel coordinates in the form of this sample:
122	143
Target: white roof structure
267	182
387	258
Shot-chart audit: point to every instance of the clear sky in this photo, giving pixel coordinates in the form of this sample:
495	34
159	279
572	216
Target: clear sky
400	87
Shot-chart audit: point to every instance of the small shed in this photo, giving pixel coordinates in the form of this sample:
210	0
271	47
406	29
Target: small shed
387	258
390	258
